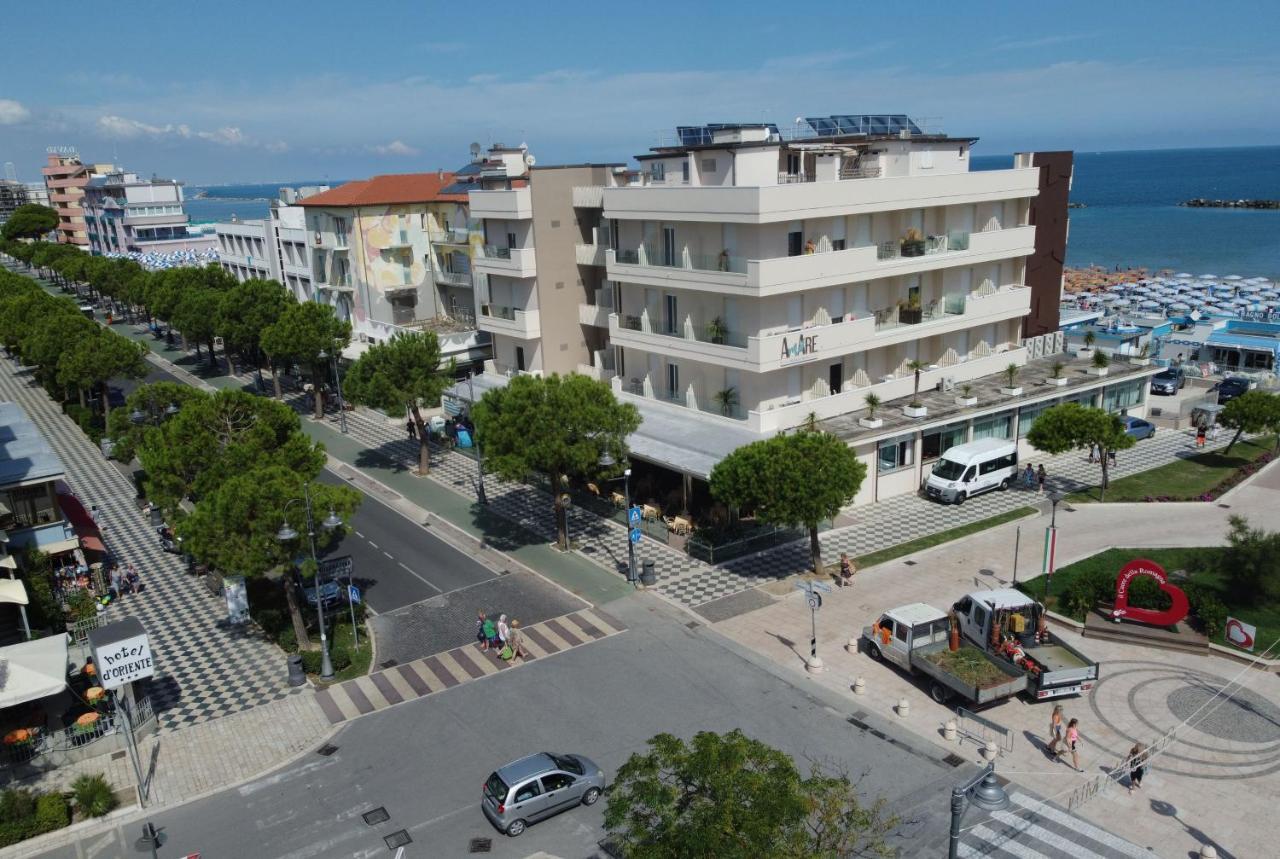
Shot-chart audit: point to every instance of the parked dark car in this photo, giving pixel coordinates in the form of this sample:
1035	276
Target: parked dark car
1138	428
1228	389
1168	381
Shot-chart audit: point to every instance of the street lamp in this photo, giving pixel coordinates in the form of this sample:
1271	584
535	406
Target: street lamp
607	461
475	439
337	384
153	414
984	791
287	534
1051	545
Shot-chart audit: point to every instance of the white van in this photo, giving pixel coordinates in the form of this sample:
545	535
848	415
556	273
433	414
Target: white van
968	469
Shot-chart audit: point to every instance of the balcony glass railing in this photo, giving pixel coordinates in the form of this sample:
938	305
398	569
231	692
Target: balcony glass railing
956	240
495	252
497	311
706	332
896	317
649	255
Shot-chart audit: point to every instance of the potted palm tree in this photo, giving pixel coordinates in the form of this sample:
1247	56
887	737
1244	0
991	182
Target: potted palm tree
966	397
1055	376
1100	363
871	421
1089	339
1143	356
913	243
717	332
1011	388
727	400
915	408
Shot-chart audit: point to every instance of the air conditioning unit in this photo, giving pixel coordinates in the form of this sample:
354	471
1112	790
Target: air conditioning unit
946	384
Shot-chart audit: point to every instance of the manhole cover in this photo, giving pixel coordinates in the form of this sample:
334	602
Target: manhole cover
378	815
327	749
1244	717
953	760
399	838
480	845
118	756
909	563
390	663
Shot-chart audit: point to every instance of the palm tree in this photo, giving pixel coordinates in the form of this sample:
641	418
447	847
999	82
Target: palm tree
915	366
873	403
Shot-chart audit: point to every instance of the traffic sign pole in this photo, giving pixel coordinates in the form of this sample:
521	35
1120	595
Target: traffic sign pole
351	596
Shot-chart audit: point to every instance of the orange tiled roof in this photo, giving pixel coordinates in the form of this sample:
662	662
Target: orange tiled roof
389	188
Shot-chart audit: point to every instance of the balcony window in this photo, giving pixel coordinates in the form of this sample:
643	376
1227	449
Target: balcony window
29	506
995	426
896	453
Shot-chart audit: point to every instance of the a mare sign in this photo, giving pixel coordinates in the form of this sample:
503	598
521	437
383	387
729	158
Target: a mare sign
121	653
1142	567
802	346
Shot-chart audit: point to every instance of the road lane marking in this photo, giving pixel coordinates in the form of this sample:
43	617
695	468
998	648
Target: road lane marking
373	544
388	554
420	578
358	534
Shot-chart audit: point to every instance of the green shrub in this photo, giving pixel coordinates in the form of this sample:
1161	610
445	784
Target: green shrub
272	621
17	803
51	813
13	831
1145	592
287	639
340	656
1209	610
88	422
81	605
93	796
311	661
1086	591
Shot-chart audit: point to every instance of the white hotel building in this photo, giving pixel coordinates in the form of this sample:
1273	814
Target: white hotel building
756	279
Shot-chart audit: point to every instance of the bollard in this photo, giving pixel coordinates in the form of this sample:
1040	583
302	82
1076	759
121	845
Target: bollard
1208	851
859	685
904	707
852	646
990	751
814	665
949	730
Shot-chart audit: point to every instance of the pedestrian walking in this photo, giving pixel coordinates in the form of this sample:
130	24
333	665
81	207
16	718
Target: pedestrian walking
1057	725
1201	432
515	641
1073	743
412	428
490	634
1111	455
117	582
504	633
480	636
1041	476
1092	456
93	514
1137	763
1028	477
1213	431
847	570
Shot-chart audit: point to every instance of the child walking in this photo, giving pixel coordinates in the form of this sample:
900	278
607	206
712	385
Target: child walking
1073	743
1055	730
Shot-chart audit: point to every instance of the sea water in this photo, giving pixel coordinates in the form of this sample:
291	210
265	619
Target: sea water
1132	217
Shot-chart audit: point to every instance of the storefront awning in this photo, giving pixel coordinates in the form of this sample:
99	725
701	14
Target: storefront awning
13	591
33	669
86	529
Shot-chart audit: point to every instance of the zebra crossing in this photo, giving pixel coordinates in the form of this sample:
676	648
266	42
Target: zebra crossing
1033	829
422	677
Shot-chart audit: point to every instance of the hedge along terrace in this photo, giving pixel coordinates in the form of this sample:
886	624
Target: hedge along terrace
74	357
1240	579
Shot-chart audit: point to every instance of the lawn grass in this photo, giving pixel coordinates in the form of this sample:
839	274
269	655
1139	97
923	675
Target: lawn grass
341	637
1187	478
926	542
1266	617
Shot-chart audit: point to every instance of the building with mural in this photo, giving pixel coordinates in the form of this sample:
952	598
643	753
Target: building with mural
393	253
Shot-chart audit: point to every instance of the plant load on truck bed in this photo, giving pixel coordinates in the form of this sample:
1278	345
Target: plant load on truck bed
969	665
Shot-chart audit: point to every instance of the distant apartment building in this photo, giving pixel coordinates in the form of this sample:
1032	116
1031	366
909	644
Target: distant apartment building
272	248
542	262
65	178
12	195
394	253
757	279
124	213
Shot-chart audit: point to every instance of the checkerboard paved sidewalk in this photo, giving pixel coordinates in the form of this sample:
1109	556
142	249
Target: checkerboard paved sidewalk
204	668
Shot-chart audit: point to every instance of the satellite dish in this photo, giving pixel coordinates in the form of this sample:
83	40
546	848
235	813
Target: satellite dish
475	149
529	160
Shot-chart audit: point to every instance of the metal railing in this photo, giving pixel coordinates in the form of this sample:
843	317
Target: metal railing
456	278
498	311
495	252
61	746
450	237
648	255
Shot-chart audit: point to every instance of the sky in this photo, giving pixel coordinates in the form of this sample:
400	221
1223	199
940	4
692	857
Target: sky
289	91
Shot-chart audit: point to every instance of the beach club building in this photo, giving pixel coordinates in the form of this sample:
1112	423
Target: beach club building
757	279
394	253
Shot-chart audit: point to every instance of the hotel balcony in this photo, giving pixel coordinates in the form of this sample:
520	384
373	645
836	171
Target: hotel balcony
597	312
444	277
155	220
603	369
506	205
508	262
66	197
823	339
735	275
818	401
523	324
398	241
449	237
342	287
797	200
67	182
590	254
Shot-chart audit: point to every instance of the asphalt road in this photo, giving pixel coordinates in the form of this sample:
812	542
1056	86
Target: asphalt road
396	562
425	761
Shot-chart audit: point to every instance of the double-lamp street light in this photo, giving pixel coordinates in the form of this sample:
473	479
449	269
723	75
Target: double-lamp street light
607	461
984	791
153	414
287	534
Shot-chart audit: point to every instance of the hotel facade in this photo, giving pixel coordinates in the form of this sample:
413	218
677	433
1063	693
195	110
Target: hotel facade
127	214
756	280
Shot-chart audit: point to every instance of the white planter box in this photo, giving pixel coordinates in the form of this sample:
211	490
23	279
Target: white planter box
1140	362
915	411
1058	382
1099	371
871	423
1084	352
1012	392
965	402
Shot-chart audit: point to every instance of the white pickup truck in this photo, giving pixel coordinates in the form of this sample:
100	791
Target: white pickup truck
1004	622
916	637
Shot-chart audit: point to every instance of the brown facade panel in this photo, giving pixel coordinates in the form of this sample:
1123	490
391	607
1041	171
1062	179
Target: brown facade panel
1049	216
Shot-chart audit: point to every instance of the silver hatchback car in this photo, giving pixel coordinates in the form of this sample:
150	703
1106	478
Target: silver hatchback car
538	786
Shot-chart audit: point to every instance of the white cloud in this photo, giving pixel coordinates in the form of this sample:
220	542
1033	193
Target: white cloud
227	135
395	147
12	112
118	126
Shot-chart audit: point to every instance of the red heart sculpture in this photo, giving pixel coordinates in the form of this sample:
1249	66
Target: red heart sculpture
1142	567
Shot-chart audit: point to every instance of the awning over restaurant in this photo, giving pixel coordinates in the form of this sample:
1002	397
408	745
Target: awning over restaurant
86	529
33	669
